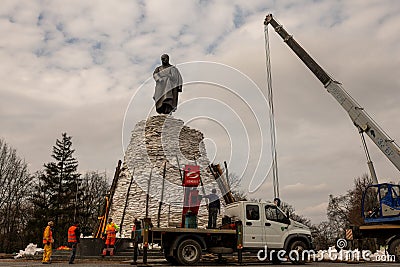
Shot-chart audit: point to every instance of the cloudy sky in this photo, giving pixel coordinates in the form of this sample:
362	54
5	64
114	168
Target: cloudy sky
80	66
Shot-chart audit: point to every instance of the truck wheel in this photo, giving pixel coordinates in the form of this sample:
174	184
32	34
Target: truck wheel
394	249
297	257
188	252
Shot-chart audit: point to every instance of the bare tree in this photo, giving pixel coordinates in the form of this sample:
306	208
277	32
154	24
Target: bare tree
14	190
355	198
343	211
324	235
289	209
234	182
93	188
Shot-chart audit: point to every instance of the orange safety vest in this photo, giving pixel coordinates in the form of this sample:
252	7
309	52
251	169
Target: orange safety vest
72	235
111	231
47	235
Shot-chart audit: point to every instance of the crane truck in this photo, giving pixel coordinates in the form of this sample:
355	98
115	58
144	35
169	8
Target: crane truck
380	202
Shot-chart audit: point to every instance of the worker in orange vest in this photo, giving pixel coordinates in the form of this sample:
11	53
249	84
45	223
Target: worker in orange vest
47	241
73	240
111	235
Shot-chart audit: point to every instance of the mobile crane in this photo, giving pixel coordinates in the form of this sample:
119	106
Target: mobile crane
381	202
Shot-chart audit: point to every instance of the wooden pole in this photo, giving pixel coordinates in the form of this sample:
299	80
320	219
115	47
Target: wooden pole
218	175
162	195
126	202
147	223
108	202
227	175
148	194
239	239
179	168
201	184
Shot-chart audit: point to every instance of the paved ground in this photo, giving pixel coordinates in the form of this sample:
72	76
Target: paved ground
161	262
156	259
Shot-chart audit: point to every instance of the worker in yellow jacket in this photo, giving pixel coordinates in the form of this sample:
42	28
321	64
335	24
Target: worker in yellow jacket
47	242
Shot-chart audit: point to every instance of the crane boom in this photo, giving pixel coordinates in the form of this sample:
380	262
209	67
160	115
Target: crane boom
360	118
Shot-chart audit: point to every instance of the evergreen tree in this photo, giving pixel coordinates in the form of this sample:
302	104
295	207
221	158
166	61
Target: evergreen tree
57	190
40	210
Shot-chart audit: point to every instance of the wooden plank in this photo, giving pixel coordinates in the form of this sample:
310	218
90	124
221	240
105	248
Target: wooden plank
108	202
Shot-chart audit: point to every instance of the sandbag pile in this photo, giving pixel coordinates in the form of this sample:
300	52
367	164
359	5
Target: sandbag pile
154	141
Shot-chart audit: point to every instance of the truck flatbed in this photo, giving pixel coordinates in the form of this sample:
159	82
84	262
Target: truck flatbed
193	230
379	226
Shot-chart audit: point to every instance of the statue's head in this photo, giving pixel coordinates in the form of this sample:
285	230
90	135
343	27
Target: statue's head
165	59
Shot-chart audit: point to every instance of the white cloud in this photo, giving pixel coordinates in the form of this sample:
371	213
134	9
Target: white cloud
305	189
316	212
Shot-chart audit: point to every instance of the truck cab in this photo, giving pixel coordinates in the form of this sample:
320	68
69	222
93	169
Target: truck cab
381	203
266	224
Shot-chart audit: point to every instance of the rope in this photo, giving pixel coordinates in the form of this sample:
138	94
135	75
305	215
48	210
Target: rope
275	180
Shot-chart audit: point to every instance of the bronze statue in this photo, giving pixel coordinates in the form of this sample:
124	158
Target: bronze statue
168	85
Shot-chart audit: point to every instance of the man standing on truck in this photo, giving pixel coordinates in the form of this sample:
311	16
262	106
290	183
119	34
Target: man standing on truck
214	208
